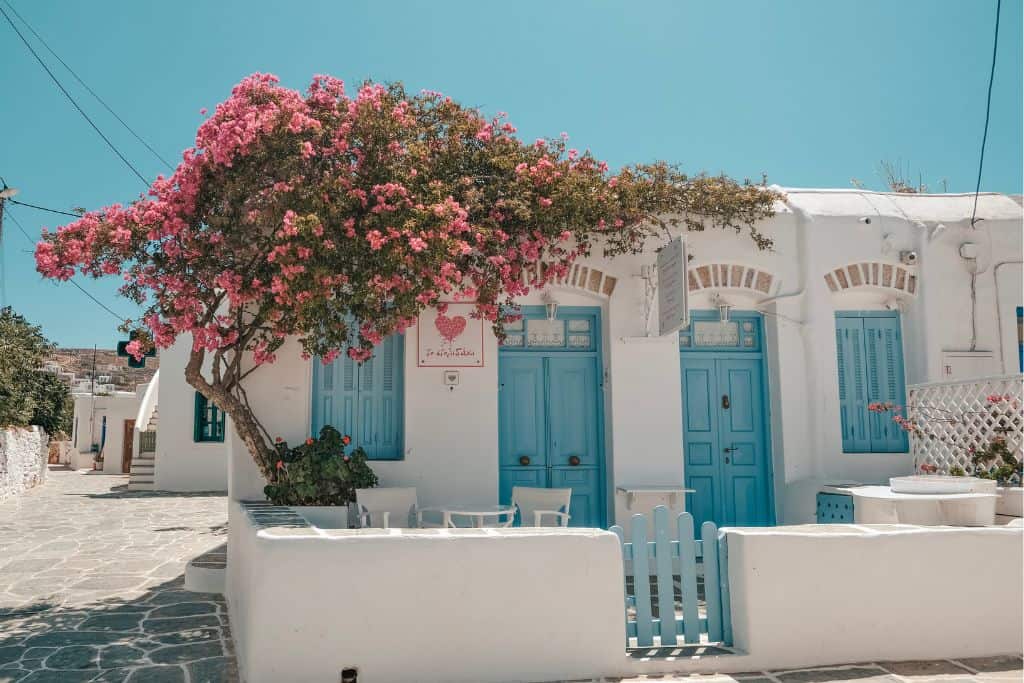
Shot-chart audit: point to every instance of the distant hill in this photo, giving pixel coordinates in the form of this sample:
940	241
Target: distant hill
108	364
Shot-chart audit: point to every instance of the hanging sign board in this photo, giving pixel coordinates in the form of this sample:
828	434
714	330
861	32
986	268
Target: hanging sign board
673	302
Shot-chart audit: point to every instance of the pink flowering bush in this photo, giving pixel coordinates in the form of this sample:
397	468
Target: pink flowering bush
988	450
296	213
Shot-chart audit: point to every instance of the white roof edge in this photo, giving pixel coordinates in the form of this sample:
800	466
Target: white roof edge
918	208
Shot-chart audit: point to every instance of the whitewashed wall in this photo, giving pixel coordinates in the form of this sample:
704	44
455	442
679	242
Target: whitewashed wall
451	436
116	407
182	464
804	596
426	605
23	452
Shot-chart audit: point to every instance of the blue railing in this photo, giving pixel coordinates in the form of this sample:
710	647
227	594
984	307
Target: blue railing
672	609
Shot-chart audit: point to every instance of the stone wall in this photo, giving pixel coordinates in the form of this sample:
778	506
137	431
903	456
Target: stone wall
23	453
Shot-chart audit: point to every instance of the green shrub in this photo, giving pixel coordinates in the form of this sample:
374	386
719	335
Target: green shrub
321	471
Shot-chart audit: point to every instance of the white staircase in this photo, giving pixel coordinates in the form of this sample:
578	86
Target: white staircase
141	476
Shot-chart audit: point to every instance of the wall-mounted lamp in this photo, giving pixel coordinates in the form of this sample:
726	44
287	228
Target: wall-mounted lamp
550	306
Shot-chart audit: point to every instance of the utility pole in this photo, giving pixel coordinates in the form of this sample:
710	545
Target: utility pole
5	194
92	400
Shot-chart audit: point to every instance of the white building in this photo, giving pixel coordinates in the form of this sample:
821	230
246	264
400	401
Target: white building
104	423
186	459
863	293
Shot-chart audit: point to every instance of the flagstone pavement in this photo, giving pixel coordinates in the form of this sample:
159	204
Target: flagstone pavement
92	584
92	589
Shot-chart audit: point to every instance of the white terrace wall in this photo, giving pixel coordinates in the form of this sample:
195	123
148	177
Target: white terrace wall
451	436
23	452
182	464
471	605
804	596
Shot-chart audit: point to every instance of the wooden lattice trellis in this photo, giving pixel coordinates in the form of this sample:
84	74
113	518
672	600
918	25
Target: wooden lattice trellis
959	415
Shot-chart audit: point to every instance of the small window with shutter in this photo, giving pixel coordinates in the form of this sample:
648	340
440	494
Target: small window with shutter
208	420
869	359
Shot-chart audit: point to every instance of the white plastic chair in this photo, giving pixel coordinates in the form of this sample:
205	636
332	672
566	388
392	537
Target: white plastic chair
536	504
385	508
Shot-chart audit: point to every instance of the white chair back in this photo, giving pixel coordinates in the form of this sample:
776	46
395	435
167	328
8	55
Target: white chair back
542	507
387	507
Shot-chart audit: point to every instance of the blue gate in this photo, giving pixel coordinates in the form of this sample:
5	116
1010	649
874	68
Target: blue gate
663	594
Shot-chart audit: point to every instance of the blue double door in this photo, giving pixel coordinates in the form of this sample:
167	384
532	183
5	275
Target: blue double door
727	460
550	420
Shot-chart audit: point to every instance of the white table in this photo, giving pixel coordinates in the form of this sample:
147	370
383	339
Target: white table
881	505
632	492
478	513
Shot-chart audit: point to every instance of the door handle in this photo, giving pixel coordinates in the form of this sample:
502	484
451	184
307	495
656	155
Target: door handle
574	460
730	450
524	460
725	401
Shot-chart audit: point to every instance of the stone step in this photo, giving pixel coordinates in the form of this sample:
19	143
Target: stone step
140	487
147	455
141	471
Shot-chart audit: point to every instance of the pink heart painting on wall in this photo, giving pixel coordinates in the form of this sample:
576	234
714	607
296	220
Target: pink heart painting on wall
449	336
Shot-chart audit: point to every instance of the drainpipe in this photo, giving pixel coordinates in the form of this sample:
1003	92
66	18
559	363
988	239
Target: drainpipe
999	317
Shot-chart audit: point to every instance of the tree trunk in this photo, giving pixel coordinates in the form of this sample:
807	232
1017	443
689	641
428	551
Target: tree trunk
242	417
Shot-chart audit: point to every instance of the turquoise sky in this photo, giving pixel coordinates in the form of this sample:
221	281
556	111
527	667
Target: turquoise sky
812	92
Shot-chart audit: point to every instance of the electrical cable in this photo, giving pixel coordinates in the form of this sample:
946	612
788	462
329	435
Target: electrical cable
84	85
99	303
72	99
988	112
43	208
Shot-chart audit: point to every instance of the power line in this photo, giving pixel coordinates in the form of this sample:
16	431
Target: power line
99	303
84	85
988	111
72	99
43	208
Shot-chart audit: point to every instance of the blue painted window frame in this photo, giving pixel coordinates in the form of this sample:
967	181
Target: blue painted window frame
870	369
364	397
1020	338
207	421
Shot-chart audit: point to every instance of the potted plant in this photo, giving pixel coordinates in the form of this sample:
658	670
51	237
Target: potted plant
319	478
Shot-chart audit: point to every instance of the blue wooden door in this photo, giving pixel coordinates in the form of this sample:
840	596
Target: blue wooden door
550	410
726	453
701	449
741	431
574	448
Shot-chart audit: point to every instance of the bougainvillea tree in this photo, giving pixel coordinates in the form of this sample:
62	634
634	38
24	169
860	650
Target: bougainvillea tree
295	214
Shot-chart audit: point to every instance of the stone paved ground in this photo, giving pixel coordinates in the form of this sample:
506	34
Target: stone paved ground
92	584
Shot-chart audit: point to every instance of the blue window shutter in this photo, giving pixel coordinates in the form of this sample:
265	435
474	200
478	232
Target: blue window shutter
334	395
886	382
381	399
198	417
853	403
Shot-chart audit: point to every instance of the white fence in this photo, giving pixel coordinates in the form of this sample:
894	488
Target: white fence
964	414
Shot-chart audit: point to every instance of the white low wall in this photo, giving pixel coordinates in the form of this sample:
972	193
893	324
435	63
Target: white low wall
832	594
431	605
23	453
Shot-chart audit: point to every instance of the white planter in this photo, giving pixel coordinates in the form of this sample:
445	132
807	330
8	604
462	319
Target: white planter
1011	501
940	483
324	516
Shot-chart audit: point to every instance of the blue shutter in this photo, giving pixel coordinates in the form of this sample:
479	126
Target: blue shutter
334	395
853	403
381	397
886	383
198	417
